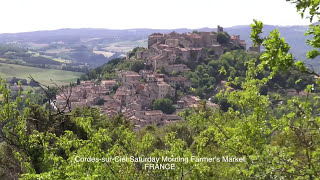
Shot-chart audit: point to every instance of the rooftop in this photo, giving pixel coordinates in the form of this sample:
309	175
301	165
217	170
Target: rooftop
155	112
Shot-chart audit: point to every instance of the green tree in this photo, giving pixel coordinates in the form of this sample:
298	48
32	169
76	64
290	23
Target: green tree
92	74
164	104
84	77
263	90
223	38
137	65
195	32
78	81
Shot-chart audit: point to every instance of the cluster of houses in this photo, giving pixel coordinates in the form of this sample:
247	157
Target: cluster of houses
133	93
173	51
134	97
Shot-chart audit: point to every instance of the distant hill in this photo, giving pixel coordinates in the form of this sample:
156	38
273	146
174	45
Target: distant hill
82	34
118	42
294	36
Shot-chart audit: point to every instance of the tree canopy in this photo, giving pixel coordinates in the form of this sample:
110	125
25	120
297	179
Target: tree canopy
164	104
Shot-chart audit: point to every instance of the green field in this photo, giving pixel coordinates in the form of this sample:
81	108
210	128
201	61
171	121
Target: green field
36	54
39	74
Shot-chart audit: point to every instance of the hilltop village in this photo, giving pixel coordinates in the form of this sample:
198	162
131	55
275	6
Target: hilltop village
133	93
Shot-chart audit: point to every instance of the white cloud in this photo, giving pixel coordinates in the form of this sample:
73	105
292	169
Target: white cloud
31	15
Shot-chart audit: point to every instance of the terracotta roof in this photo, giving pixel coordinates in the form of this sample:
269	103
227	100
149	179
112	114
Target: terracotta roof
172	117
190	98
108	82
160	56
129	73
141	87
195	98
168	50
159	75
163	45
163	84
193	35
156	112
196	49
133	75
183	49
121	93
234	37
210	104
145	71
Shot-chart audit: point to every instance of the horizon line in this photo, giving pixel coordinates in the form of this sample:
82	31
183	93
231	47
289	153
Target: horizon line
138	28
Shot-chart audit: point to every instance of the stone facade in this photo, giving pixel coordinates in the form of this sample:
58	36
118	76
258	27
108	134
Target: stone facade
108	84
179	82
254	49
178	68
220	29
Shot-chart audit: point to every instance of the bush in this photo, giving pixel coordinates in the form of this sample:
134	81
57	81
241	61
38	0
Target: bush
136	66
223	38
165	105
263	90
100	102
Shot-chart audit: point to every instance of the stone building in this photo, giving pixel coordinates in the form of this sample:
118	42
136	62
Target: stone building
178	68
179	82
254	49
144	73
220	29
143	54
156	38
108	84
129	78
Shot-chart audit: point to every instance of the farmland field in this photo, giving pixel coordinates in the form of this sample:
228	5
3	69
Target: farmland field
57	51
125	46
104	53
38	45
42	75
36	54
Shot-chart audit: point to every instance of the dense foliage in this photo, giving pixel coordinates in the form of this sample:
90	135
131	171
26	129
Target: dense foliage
207	76
223	38
164	104
108	70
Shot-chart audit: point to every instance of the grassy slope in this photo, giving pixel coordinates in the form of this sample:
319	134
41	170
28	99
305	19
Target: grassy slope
42	75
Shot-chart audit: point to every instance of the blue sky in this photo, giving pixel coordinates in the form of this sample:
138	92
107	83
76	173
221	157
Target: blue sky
31	15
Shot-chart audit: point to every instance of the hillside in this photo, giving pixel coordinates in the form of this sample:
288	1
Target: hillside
176	72
7	71
82	45
184	98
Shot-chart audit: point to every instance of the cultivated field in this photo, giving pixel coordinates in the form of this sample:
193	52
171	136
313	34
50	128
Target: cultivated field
39	74
104	53
36	54
125	46
57	51
38	45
